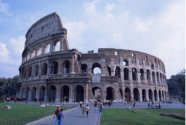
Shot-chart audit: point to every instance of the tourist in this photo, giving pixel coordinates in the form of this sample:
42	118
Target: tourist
59	117
56	114
80	104
87	109
83	108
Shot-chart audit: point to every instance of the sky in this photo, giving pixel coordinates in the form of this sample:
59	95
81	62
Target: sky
152	26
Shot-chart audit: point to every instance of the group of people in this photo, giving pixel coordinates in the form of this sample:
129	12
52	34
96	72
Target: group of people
85	108
58	115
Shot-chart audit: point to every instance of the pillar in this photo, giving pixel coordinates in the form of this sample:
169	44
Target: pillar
147	95
86	92
140	95
57	93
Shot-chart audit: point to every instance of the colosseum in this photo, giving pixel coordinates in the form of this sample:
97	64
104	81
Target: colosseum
52	72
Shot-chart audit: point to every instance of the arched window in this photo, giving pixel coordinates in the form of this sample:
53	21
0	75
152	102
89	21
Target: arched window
66	67
117	72
126	74
148	75
96	68
134	74
39	52
33	54
109	70
36	70
153	77
57	46
47	49
44	69
125	62
84	67
142	74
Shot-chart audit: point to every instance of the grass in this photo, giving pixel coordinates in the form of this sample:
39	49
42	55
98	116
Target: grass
20	114
140	117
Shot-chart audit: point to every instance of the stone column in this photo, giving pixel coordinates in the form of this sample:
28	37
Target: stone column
139	77
147	95
57	93
140	95
72	64
86	92
132	94
130	75
59	66
145	76
71	97
153	95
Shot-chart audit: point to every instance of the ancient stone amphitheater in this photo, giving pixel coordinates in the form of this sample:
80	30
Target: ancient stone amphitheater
50	71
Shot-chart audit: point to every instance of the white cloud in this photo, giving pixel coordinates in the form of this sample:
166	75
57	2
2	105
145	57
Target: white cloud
17	44
109	7
4	8
4	53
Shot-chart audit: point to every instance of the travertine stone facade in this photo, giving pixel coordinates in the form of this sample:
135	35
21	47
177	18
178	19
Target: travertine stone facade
50	71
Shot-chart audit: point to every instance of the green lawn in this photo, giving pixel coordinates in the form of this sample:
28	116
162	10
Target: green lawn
24	113
139	117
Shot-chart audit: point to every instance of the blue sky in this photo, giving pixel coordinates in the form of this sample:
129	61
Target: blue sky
152	26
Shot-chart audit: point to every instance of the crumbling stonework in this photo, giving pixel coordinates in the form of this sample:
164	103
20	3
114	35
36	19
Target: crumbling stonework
50	71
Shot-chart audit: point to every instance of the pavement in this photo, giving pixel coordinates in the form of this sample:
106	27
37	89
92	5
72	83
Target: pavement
72	117
75	117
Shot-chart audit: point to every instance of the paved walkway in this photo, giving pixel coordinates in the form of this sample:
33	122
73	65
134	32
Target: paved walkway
72	117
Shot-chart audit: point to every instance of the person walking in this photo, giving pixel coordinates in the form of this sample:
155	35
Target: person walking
59	117
56	115
87	109
83	108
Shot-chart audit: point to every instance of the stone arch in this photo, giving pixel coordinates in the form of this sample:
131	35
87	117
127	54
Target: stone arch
150	95
66	67
57	46
110	93
42	91
47	48
55	67
84	67
141	74
144	98
109	70
117	72
125	62
160	95
52	93
96	68
36	70
65	93
127	94
157	75
79	93
97	93
27	93
44	69
148	75
126	74
136	94
134	74
33	94
155	95
30	71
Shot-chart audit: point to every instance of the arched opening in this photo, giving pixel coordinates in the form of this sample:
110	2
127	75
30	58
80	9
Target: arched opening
121	93
136	94
153	77
127	95
57	46
33	54
52	94
79	93
96	68
160	95
65	93
109	70
39	52
110	94
47	49
150	95
84	68
144	95
152	66
42	93
148	75
117	72
126	74
134	74
55	67
66	67
97	93
125	62
142	74
157	75
33	94
44	69
155	95
36	70
30	72
27	93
